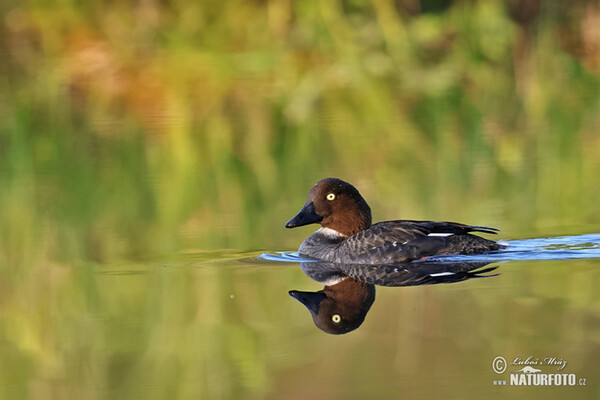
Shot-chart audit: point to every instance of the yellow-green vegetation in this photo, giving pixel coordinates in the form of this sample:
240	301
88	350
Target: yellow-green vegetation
128	128
135	131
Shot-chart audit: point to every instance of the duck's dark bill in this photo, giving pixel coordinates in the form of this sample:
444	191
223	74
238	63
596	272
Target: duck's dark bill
311	300
306	216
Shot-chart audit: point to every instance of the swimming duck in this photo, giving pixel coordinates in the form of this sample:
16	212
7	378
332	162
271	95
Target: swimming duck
347	236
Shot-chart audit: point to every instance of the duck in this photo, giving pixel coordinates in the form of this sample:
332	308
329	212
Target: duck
347	234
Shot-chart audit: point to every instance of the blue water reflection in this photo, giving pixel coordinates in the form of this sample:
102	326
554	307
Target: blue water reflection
553	248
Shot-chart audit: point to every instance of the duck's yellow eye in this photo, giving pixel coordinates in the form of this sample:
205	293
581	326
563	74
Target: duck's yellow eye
336	318
330	196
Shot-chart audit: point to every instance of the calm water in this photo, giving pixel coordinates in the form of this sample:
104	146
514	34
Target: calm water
539	307
222	325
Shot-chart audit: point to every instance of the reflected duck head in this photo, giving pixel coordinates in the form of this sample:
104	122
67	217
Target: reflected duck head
339	308
336	205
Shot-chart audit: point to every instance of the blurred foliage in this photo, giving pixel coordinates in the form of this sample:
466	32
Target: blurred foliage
130	131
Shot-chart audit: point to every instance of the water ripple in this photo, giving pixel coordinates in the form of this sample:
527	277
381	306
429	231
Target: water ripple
552	248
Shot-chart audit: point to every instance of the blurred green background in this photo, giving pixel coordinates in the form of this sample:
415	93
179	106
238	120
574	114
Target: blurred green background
142	133
131	130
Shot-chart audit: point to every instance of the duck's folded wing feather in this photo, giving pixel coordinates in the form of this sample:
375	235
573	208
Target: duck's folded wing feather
429	227
383	242
402	240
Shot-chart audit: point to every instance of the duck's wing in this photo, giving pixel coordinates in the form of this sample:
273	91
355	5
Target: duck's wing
403	240
439	227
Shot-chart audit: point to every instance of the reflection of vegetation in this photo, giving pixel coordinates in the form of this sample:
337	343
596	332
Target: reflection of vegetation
165	332
134	132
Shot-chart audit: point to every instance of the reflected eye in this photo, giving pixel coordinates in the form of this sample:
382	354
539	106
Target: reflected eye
330	196
336	318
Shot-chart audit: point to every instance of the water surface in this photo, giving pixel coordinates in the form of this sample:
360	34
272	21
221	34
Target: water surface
441	339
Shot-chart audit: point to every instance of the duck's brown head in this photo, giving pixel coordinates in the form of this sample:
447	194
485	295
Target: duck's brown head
339	308
336	205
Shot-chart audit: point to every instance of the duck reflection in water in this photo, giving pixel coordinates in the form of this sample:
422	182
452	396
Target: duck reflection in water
349	289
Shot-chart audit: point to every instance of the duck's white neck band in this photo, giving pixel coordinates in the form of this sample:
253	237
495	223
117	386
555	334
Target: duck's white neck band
330	232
